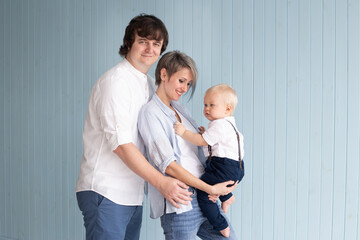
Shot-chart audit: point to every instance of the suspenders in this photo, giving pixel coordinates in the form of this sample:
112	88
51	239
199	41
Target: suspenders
239	148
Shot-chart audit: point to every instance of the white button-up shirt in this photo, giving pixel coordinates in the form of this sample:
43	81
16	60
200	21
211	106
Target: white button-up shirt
222	138
114	105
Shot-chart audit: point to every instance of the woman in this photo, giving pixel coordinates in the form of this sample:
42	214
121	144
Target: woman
175	74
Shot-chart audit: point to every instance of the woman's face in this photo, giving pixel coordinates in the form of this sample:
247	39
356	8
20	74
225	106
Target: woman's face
174	86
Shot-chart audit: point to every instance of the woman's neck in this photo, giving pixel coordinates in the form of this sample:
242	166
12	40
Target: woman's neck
163	98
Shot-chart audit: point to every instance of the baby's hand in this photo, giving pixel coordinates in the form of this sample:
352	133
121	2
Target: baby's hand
179	129
201	130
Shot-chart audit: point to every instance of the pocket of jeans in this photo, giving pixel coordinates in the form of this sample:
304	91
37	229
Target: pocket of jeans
100	199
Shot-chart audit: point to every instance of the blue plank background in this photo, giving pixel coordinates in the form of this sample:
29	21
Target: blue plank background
295	66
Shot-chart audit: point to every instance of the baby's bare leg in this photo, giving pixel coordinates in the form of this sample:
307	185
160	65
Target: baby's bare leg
225	205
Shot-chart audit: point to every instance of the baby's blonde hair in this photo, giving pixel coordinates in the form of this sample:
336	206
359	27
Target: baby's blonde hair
228	94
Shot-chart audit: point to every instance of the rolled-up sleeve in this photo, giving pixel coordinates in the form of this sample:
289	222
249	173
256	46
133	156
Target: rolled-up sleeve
114	110
158	145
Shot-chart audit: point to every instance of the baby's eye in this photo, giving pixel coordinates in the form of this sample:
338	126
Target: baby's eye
212	105
189	84
181	81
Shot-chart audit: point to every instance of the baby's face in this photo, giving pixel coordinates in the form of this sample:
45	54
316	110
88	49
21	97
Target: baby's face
215	107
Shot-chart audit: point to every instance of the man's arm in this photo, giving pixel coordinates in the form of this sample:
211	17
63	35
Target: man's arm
172	189
189	136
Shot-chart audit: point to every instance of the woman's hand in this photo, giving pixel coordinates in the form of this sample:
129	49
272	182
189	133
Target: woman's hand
179	129
222	188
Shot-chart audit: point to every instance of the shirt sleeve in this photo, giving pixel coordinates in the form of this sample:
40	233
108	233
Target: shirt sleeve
214	133
156	138
113	106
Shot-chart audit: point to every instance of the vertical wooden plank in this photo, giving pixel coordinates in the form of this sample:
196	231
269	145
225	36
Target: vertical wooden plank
24	220
280	127
247	196
292	118
206	56
237	217
16	128
340	124
269	119
315	121
215	25
188	22
7	119
353	123
79	114
197	46
226	43
58	141
31	118
327	121
302	214
2	114
258	119
177	28
70	113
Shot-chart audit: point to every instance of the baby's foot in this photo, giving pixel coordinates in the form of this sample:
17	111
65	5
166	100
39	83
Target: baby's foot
225	205
225	232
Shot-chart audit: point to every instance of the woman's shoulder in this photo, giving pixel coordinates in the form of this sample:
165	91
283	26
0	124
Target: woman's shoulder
151	108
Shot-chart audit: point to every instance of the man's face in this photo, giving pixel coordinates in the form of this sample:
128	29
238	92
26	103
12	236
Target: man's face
144	53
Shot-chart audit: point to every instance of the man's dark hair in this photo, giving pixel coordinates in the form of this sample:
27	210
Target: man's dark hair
147	26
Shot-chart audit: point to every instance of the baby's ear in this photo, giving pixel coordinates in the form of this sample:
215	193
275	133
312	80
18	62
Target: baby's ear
228	108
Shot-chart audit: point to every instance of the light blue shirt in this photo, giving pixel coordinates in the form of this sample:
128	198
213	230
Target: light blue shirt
156	127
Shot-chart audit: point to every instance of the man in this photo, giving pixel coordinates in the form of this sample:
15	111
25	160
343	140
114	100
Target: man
110	186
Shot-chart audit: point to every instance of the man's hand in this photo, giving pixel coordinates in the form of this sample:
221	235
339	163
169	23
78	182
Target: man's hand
179	129
175	191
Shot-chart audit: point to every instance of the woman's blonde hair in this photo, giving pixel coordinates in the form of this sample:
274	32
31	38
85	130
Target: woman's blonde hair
173	62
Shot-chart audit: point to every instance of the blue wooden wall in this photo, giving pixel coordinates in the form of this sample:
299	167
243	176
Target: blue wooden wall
294	64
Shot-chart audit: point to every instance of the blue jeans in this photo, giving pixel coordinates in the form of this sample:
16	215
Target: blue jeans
188	225
104	219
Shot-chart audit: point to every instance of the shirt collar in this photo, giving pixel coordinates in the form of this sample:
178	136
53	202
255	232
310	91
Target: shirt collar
133	70
170	113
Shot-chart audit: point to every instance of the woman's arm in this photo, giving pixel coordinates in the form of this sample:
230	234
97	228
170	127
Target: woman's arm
194	138
177	171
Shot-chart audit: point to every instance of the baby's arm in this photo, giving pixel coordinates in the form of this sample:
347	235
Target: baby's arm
189	136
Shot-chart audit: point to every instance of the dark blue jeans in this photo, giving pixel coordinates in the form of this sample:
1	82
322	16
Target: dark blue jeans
104	219
218	170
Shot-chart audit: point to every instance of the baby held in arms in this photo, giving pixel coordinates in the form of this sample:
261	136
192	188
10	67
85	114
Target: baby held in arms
224	147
